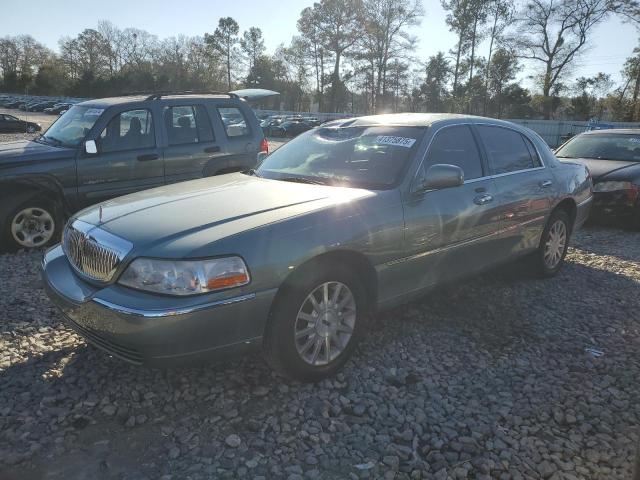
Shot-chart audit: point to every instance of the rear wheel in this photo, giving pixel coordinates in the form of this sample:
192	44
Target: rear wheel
32	224
315	324
549	258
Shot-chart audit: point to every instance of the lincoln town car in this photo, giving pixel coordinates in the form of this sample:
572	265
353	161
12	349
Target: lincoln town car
292	257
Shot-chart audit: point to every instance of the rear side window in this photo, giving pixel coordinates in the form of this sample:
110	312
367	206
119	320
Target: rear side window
456	146
234	121
128	131
187	124
533	152
506	148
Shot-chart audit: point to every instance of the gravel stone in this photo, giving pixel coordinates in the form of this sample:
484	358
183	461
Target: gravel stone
493	377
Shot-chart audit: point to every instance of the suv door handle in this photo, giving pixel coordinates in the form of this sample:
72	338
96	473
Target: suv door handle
483	199
147	157
212	149
546	183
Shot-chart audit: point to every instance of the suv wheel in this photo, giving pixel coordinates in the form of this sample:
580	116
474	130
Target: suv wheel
315	324
33	224
549	258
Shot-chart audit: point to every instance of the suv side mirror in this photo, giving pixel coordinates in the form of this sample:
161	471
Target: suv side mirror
441	176
90	147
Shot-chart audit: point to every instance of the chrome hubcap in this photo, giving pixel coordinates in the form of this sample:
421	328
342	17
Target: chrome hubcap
556	241
325	323
32	227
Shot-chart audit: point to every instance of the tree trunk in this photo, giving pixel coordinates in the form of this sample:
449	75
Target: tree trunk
546	92
486	73
229	69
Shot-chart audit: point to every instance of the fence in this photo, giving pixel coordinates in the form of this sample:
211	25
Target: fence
556	132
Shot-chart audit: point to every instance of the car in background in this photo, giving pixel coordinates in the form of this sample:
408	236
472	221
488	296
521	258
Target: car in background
12	124
105	148
613	159
58	108
40	106
292	257
291	129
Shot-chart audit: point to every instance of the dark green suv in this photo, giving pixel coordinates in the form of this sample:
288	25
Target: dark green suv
109	147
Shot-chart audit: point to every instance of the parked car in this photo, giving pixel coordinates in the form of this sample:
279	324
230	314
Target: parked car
58	108
613	158
9	124
357	216
105	148
291	129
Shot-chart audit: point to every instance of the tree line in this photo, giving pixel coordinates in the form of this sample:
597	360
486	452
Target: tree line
358	56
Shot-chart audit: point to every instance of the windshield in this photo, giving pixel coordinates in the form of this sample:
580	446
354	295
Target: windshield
71	128
603	146
363	157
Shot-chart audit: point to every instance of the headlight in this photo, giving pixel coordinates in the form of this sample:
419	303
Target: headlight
612	186
185	277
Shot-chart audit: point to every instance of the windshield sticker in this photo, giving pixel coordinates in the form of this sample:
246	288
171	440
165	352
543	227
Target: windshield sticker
395	141
94	112
634	140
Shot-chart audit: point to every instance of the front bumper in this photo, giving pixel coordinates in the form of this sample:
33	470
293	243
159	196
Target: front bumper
619	203
154	330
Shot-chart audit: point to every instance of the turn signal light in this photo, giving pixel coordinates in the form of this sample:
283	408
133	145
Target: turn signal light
227	282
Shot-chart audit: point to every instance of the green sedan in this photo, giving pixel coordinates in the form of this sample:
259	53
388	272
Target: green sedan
291	258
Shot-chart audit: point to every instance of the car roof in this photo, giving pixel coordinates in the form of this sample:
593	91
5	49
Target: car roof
111	101
410	120
619	131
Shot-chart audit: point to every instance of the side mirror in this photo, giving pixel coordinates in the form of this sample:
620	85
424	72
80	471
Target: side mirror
441	176
90	147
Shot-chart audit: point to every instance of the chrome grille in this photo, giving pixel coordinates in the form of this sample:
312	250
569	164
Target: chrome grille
93	252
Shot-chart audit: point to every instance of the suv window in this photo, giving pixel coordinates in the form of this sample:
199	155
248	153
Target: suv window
234	121
456	146
506	148
128	130
187	124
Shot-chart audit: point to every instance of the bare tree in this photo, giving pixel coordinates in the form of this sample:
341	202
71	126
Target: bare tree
252	45
553	33
500	13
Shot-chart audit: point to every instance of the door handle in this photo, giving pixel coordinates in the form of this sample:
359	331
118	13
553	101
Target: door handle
147	157
212	149
546	183
483	199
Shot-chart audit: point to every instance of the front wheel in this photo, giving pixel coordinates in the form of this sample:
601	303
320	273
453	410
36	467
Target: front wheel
33	224
31	129
315	324
549	258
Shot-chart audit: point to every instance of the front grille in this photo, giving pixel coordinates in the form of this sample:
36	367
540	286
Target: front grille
92	251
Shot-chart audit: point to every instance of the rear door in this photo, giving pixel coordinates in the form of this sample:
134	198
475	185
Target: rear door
524	185
128	158
452	231
191	144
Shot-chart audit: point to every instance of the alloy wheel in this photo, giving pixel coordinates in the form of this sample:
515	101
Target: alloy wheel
32	227
325	323
555	245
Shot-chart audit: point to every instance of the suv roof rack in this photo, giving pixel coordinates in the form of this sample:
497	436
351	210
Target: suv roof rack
159	95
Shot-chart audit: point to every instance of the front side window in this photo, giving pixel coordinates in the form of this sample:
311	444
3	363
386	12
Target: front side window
506	149
603	146
234	121
187	124
128	131
456	146
373	157
72	127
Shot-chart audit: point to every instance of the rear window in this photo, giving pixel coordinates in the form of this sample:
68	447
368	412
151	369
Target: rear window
608	146
366	157
507	150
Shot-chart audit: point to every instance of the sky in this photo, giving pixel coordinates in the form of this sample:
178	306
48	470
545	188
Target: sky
47	21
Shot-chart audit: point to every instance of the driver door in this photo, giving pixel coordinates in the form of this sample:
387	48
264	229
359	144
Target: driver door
128	159
452	231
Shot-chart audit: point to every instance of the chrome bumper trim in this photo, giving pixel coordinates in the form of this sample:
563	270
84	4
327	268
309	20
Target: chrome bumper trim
170	313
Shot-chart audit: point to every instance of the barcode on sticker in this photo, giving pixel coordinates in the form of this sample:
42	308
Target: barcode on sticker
634	140
396	141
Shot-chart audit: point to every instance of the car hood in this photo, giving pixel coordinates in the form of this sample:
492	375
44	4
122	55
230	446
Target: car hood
608	169
220	206
21	151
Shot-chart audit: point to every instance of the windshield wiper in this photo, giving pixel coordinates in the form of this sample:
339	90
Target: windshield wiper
56	141
302	180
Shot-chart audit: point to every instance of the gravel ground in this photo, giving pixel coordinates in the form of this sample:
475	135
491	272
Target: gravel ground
488	379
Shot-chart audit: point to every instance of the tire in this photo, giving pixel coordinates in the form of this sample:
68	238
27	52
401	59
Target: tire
43	229
548	259
290	354
31	129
